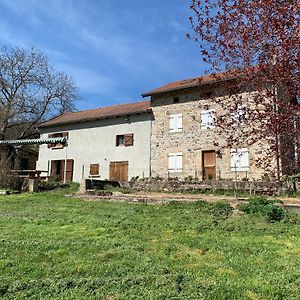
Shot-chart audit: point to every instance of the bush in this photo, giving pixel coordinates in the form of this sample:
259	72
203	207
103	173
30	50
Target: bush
264	207
51	185
275	214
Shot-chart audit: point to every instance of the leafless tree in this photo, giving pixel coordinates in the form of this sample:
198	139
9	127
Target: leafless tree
31	91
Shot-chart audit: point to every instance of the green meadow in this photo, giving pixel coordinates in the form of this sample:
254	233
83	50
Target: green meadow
56	247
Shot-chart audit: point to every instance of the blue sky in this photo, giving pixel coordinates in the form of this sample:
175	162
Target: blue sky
114	50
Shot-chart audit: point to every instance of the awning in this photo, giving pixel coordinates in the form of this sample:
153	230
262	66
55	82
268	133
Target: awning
59	140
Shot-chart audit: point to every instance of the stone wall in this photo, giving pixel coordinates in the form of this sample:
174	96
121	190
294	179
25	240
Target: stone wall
193	140
254	187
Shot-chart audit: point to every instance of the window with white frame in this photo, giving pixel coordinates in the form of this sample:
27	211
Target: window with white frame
175	122
208	118
239	115
175	162
240	159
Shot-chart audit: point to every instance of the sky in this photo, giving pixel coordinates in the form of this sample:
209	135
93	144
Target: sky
114	50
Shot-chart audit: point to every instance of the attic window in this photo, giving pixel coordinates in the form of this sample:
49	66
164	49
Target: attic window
124	140
176	100
57	135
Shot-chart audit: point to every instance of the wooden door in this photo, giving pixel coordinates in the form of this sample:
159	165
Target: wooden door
118	171
69	170
209	164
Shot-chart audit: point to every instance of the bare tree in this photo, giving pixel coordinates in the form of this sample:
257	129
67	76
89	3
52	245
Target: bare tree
31	91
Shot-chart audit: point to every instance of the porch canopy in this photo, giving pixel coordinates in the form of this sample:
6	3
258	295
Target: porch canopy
58	140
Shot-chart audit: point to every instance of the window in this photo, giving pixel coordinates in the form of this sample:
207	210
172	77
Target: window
175	122
175	162
57	135
94	169
208	119
240	159
239	115
175	100
124	140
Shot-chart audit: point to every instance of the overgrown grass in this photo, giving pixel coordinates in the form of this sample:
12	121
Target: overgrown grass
52	247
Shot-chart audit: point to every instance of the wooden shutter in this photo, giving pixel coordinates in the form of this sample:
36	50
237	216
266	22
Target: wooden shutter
179	122
208	118
175	162
69	170
118	171
172	123
171	162
94	169
128	139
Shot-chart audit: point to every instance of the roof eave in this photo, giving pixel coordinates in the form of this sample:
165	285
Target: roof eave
94	119
186	87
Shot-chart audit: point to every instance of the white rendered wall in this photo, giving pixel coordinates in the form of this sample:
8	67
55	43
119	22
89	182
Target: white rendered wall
95	143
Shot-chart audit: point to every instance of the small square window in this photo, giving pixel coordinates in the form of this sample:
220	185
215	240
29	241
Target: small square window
175	100
120	140
124	140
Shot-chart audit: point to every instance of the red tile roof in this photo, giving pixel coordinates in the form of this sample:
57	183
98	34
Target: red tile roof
189	83
99	113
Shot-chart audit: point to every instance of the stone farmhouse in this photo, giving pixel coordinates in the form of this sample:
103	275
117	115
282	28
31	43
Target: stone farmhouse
170	135
183	135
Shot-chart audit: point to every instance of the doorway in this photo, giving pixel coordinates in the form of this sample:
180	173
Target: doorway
209	164
118	171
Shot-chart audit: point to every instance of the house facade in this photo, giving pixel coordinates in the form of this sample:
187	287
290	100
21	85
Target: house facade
172	135
110	143
184	136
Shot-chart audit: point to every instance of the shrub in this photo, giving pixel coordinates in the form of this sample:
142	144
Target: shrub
264	207
51	185
275	214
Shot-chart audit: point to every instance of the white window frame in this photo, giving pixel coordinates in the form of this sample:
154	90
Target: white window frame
208	118
175	166
175	123
239	160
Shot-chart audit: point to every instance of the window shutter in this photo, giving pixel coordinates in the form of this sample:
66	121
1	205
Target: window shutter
179	162
94	169
204	119
240	159
128	139
175	162
244	159
207	118
172	162
172	123
234	160
179	122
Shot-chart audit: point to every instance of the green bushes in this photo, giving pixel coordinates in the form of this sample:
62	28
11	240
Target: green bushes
264	207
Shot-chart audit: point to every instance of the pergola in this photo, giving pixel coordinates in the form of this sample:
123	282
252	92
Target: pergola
58	140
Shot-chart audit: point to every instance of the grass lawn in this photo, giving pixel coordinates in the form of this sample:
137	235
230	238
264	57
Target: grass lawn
52	247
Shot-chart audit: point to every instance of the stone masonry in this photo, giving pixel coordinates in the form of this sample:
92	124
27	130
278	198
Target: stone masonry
193	140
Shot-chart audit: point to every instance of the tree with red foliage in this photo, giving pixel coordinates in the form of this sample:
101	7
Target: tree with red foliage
257	44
